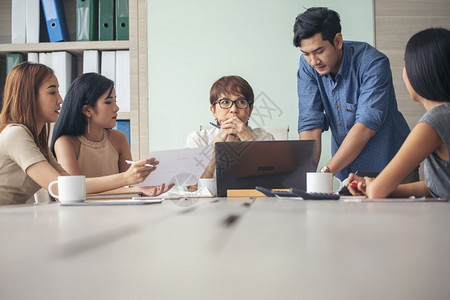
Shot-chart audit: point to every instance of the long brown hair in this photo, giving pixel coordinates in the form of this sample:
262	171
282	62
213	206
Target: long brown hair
20	100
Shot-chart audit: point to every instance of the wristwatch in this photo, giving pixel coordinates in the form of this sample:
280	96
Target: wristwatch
325	169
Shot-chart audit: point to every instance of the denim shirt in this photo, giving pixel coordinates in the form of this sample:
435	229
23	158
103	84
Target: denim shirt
362	92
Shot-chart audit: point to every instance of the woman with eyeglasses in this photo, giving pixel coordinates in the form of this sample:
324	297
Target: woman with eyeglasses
231	99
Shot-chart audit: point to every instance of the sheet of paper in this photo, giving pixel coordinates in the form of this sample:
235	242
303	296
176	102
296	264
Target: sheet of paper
178	193
114	202
181	166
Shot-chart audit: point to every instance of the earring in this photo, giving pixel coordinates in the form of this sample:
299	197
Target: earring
89	125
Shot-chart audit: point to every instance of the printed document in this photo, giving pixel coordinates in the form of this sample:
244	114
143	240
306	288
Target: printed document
182	167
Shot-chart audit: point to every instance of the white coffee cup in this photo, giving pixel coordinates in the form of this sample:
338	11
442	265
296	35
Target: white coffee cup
321	182
209	184
70	188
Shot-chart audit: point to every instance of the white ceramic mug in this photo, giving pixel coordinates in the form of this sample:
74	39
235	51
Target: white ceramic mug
317	182
70	188
208	183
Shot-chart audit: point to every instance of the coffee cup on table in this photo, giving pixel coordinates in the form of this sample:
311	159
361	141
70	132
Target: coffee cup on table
70	188
317	182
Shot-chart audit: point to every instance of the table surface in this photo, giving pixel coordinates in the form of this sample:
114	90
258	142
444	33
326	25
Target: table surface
264	248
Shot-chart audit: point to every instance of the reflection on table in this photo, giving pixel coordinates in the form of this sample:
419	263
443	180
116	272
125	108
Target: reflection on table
219	248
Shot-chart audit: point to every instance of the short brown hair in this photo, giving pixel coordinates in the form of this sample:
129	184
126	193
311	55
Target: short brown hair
231	85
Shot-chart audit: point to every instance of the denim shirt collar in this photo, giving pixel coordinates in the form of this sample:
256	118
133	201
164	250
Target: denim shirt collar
345	63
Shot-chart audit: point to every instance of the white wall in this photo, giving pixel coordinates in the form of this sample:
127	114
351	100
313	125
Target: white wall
192	43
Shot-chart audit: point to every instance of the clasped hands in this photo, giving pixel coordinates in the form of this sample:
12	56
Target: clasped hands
233	130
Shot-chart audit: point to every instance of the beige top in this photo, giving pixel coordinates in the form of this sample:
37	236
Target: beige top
98	158
18	151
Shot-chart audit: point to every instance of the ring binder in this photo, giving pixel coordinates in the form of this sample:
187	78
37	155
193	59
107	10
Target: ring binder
106	20
87	20
122	24
55	20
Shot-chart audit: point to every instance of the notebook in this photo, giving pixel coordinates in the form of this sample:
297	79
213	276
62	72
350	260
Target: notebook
271	164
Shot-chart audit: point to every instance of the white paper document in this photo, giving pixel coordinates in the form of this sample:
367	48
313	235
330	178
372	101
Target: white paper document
114	202
181	166
178	193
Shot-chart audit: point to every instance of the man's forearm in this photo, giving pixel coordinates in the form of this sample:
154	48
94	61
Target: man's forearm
313	134
355	141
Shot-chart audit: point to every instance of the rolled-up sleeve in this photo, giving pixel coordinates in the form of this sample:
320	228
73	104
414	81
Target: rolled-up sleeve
375	93
310	107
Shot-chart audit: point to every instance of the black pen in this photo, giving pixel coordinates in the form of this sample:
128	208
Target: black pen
218	127
215	125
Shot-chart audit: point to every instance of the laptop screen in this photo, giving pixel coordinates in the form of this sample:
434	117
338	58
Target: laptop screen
271	164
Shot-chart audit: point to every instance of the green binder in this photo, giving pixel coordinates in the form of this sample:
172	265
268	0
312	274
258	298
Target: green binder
87	20
106	20
12	60
122	25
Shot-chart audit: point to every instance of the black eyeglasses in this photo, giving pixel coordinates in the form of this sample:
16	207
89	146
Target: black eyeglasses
227	103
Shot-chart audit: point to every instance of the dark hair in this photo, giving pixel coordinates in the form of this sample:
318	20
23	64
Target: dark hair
84	90
315	20
20	100
427	63
231	85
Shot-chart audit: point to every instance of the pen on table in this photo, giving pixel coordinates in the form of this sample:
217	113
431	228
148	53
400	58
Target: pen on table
130	162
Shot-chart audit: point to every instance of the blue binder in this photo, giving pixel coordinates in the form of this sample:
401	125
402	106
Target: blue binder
55	20
124	126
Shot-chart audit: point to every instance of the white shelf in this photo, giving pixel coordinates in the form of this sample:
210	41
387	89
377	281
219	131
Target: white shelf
76	48
137	45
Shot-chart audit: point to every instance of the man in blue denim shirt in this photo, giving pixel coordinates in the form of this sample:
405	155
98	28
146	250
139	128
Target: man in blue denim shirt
348	87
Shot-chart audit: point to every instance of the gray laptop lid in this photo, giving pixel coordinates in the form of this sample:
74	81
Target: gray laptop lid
271	164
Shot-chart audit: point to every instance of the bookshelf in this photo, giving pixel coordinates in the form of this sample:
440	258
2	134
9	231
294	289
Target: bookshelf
137	45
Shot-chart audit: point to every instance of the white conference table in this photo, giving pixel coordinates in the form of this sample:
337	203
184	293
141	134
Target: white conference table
263	248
